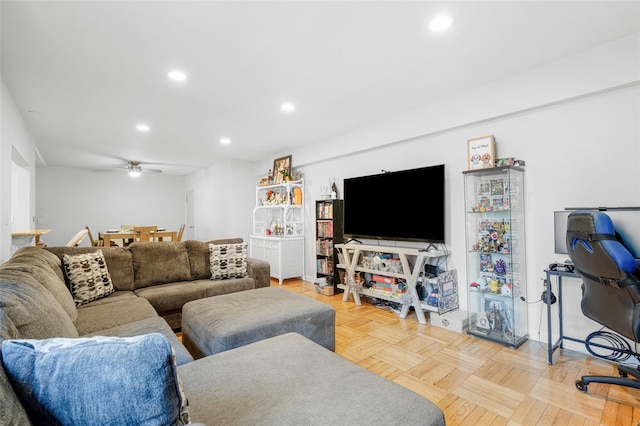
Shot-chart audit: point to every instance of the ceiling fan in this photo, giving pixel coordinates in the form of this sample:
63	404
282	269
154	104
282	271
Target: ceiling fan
134	169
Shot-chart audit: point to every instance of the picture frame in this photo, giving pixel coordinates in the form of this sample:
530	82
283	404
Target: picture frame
280	164
481	152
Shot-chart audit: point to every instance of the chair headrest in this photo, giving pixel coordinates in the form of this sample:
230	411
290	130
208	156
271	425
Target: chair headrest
593	247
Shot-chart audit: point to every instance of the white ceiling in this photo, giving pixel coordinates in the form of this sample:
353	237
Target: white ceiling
84	73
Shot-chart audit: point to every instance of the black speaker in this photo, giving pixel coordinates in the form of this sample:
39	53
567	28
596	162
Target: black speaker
422	292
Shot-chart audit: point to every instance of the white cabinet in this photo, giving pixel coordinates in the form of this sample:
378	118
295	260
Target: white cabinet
278	228
284	254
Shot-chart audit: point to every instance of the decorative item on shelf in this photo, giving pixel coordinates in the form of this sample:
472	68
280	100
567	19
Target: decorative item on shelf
271	198
280	165
297	196
296	175
266	180
481	152
334	189
286	177
510	161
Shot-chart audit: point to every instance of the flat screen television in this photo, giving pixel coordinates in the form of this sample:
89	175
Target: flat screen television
407	205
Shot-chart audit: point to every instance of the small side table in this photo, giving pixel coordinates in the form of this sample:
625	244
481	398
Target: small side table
23	238
551	348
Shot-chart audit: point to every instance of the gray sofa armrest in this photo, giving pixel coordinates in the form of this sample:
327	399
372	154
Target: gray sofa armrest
260	271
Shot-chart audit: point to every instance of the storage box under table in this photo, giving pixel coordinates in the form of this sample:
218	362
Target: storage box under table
457	321
327	290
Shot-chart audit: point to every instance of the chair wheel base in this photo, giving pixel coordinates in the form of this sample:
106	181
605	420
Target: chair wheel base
581	385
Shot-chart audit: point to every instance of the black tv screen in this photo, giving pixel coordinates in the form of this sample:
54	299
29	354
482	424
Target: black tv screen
407	205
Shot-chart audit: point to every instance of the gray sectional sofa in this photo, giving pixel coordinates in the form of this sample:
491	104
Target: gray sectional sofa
281	380
158	272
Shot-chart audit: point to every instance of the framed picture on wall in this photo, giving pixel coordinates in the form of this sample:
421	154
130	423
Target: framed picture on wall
281	168
481	152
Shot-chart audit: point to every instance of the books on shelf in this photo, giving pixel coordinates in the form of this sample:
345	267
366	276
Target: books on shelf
325	210
324	266
324	247
325	229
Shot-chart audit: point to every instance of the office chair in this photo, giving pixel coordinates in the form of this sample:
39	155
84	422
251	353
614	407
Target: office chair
610	289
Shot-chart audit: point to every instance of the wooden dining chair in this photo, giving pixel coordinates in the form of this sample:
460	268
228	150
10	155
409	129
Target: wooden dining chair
73	242
127	228
98	242
180	233
145	234
94	243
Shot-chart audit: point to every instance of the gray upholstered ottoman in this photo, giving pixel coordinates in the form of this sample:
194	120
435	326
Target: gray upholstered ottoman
219	323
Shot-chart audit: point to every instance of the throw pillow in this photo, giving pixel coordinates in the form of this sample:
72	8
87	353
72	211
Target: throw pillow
98	380
88	276
228	261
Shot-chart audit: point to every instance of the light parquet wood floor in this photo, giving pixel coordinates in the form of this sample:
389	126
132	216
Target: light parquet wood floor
473	381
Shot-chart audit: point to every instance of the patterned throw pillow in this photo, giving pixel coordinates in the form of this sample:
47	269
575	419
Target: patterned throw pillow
228	261
100	380
88	276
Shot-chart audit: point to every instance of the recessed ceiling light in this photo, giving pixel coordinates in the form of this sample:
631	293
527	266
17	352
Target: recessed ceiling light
142	127
177	75
441	23
287	107
225	141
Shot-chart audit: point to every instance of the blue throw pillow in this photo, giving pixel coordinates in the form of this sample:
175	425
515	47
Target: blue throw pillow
97	380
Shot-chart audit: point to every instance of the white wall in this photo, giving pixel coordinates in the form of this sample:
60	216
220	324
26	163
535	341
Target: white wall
14	137
70	199
575	122
224	199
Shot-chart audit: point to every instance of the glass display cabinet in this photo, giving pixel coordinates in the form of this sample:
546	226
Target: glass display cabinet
495	238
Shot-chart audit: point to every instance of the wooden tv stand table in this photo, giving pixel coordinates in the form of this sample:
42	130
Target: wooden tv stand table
412	261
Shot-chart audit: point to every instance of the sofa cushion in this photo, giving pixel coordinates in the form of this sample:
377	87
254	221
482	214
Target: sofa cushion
110	380
88	276
200	256
114	297
146	326
159	262
11	410
46	268
97	316
118	261
228	261
35	313
172	296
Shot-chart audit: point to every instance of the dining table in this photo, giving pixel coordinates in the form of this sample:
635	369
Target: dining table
127	234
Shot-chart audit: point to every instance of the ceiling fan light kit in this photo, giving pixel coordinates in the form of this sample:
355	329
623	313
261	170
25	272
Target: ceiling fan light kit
135	170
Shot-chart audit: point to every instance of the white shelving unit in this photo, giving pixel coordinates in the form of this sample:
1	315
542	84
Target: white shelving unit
278	228
411	262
